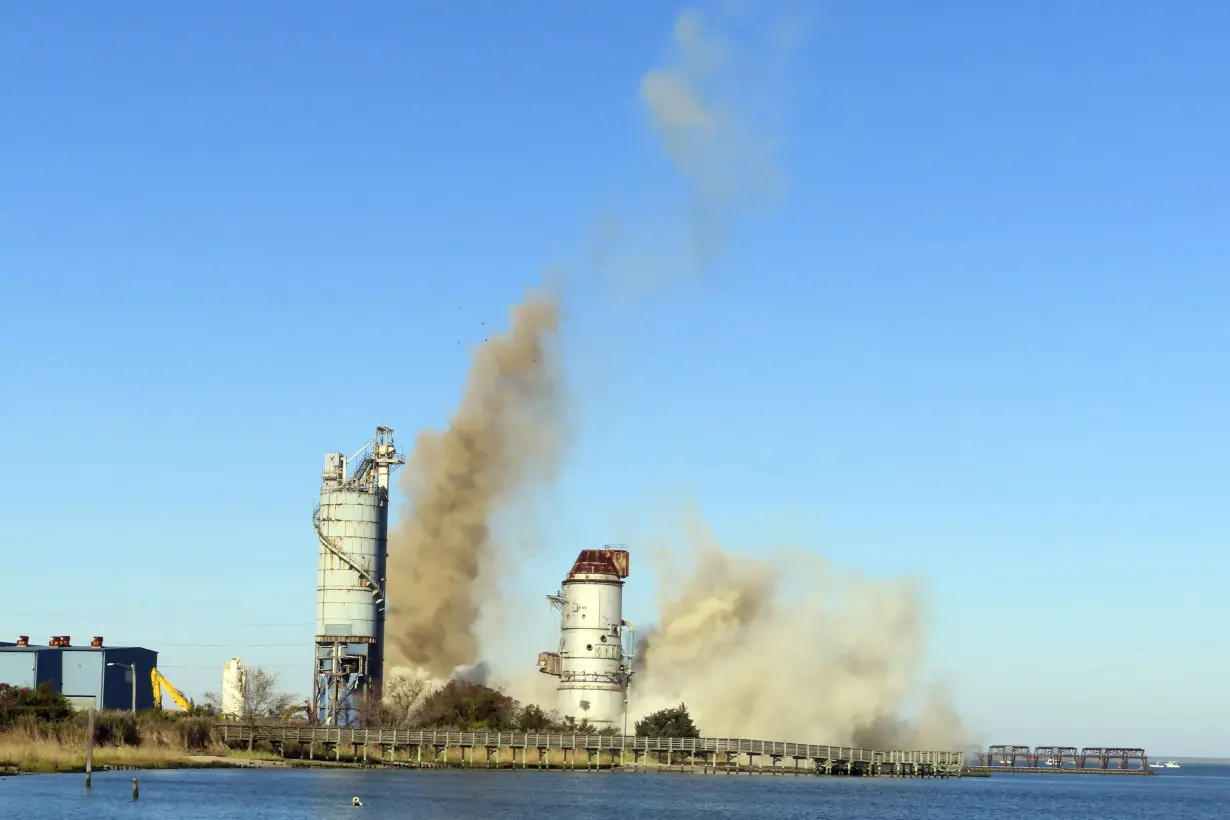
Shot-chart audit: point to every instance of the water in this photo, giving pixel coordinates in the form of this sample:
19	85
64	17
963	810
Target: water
1192	793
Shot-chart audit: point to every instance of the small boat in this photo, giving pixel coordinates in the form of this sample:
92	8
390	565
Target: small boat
1170	764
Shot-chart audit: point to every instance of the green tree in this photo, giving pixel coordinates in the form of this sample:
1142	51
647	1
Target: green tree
42	703
468	707
673	722
533	719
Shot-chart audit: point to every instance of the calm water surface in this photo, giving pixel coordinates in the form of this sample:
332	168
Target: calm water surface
1193	793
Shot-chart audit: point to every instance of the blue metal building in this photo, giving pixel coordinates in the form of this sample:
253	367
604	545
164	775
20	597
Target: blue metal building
88	676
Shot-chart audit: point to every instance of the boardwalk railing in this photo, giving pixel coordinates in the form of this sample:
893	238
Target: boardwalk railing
529	740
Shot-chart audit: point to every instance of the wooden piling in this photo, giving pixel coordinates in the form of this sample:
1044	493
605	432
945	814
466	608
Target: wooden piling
136	790
89	752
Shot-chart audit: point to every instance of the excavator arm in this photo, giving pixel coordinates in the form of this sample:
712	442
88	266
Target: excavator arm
159	682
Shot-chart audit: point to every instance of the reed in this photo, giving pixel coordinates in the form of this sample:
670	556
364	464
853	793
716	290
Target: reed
148	741
54	756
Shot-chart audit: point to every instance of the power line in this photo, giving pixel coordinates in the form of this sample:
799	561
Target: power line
215	666
223	645
25	616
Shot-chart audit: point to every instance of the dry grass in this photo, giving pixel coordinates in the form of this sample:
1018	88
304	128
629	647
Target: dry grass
244	754
119	740
54	756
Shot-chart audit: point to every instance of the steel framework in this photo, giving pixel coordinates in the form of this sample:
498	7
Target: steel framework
1060	755
1007	755
1098	757
1104	756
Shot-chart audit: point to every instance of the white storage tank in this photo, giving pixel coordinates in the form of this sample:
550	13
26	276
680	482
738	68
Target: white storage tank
234	689
592	666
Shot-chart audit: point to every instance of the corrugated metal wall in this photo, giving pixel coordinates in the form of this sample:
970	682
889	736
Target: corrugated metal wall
30	666
19	668
82	673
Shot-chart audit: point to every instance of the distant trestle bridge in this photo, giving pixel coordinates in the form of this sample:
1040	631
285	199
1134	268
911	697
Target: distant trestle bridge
525	750
1066	759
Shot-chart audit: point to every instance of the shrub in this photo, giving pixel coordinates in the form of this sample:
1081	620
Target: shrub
533	719
116	729
673	722
42	703
468	706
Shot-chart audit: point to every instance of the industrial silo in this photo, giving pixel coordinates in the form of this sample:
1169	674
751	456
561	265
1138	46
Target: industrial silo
352	524
592	666
234	689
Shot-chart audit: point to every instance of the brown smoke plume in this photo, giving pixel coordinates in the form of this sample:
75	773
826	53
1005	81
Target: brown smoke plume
787	647
503	439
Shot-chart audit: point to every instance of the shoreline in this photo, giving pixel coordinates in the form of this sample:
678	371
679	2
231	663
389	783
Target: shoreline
220	761
192	761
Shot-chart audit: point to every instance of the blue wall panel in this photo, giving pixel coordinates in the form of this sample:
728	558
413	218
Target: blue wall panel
50	668
117	688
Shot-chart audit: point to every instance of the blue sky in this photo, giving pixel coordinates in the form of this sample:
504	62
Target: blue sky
982	338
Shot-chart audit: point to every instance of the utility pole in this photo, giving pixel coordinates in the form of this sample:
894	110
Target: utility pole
627	691
629	661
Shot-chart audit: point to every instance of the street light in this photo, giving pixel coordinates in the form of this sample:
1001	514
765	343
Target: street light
132	671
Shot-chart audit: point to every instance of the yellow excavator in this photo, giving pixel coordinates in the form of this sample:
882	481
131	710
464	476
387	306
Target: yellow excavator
160	683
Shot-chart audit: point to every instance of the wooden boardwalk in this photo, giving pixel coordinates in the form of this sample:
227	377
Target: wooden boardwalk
419	749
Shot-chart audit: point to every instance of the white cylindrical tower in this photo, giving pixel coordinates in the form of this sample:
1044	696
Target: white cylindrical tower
234	689
592	667
352	524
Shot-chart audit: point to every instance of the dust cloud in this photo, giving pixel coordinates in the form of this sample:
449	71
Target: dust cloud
699	104
784	646
504	437
788	647
726	161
